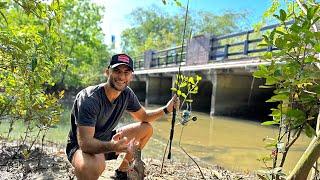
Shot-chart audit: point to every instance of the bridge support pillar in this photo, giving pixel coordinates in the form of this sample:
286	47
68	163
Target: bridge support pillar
146	102
158	90
213	78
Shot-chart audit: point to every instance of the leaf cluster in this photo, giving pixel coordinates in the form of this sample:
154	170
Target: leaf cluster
186	86
153	28
29	53
294	76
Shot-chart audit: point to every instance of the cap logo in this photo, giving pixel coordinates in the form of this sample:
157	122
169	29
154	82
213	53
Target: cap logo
123	58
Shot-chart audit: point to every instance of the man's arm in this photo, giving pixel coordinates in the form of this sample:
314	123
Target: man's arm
144	115
89	144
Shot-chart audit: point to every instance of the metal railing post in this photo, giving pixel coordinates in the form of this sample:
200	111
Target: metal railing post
226	51
246	44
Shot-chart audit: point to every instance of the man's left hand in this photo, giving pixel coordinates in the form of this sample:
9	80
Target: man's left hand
174	102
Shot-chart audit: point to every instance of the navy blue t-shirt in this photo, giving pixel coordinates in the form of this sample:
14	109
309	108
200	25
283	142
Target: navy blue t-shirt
92	108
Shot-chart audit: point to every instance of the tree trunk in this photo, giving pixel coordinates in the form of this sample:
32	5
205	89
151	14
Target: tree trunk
314	171
309	157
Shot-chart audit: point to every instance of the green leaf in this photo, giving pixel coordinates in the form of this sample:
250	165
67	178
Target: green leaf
307	98
191	80
174	89
317	48
316	89
179	92
184	84
295	28
283	15
198	78
276	16
34	63
193	92
3	5
265	87
189	100
273	144
276	113
268	123
311	59
310	13
279	98
280	43
270	80
178	3
261	72
183	95
310	132
262	44
297	116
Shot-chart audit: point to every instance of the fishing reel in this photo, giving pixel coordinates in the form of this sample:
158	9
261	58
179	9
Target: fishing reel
186	116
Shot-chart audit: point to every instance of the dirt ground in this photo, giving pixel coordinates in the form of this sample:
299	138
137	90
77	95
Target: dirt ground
49	162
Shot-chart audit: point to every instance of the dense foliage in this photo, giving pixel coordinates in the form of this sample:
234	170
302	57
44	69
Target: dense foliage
154	29
82	42
294	74
29	52
46	46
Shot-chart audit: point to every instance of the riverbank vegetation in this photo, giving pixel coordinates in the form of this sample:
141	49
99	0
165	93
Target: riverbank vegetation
294	72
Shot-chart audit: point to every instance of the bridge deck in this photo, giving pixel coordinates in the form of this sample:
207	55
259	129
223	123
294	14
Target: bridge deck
252	62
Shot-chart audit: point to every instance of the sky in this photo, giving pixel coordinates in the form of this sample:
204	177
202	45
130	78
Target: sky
116	12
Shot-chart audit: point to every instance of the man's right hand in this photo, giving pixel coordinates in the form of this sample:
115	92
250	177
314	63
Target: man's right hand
120	143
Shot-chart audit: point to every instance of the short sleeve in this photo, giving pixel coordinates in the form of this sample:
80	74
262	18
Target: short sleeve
133	102
87	111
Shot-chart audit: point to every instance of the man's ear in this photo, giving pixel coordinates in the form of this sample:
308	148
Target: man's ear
106	72
132	76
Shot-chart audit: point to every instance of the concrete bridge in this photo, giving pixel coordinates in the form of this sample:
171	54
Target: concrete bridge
225	63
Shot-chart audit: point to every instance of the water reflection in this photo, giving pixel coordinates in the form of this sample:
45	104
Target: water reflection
232	143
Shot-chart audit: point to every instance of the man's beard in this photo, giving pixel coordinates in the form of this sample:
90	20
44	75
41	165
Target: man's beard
112	84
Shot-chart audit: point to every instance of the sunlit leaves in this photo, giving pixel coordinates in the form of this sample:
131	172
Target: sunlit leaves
293	75
186	86
29	53
153	28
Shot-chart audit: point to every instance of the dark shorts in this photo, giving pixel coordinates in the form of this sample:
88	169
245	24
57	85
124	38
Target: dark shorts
72	147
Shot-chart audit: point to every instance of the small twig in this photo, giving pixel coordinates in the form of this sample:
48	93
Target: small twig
188	154
164	155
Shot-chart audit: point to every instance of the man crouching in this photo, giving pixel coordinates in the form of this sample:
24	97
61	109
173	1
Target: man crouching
96	111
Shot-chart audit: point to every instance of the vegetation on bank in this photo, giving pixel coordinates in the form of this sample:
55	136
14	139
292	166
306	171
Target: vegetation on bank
294	73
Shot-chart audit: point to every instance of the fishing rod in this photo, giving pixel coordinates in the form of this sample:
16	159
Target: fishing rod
186	114
174	112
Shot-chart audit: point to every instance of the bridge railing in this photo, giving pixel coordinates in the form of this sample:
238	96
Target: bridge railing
232	46
239	45
163	58
168	57
138	62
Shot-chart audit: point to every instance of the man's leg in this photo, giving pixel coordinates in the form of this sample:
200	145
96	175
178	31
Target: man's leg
88	166
141	132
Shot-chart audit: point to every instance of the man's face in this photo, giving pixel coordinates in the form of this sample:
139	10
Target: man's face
119	77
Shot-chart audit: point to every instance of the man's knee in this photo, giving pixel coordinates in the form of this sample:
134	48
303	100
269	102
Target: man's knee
88	166
147	128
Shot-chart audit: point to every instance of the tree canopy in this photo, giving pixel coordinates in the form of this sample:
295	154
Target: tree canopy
45	45
153	28
82	39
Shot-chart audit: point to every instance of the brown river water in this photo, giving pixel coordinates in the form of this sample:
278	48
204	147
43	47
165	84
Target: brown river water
235	144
